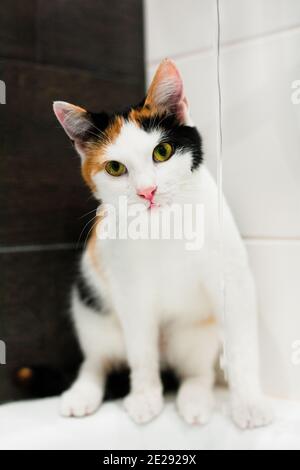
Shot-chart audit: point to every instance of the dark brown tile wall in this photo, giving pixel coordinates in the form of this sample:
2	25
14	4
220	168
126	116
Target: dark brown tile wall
90	53
37	159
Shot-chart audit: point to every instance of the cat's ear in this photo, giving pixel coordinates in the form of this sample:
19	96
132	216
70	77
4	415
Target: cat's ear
73	119
167	92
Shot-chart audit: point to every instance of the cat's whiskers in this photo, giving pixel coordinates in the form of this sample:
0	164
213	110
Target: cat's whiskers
90	212
91	229
86	225
99	130
93	133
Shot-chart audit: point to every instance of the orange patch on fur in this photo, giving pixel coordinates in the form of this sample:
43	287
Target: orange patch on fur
209	321
92	164
137	115
78	109
92	247
95	152
94	252
114	129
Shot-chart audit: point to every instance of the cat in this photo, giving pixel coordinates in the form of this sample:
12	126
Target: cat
154	303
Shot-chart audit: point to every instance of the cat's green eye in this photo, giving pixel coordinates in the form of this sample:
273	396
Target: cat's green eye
115	168
163	152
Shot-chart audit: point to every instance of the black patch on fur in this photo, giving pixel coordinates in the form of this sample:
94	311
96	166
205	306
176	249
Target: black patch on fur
118	383
87	294
99	122
182	137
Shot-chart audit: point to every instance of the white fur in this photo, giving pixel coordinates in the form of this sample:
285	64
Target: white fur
160	297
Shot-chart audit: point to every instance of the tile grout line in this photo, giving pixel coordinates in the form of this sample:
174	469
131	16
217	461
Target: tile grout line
226	45
38	248
72	69
76	246
271	241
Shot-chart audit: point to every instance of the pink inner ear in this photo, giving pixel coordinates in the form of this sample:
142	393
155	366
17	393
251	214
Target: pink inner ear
167	90
60	114
71	117
172	74
61	109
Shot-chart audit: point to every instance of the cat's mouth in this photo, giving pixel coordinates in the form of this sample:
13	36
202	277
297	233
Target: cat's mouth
152	205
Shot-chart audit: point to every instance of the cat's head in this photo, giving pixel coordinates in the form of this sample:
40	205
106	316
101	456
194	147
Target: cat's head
148	153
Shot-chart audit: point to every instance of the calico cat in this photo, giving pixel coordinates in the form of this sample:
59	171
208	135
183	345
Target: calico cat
152	303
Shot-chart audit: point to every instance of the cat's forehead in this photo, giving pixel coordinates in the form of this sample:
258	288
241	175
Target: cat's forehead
132	139
140	124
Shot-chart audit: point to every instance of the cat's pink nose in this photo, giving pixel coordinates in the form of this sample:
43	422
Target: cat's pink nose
147	193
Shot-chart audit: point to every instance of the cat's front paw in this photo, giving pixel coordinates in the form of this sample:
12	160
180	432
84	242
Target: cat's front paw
195	404
250	413
80	401
144	406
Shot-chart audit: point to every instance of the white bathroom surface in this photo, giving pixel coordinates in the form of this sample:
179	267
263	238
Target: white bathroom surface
37	425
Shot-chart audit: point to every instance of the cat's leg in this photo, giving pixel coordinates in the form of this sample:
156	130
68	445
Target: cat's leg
249	407
102	344
238	313
85	395
191	350
140	328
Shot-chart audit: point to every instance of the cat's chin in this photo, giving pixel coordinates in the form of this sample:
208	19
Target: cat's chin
153	205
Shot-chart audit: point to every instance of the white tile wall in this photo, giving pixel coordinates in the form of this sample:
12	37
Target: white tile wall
184	26
262	135
259	61
172	30
242	19
276	266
